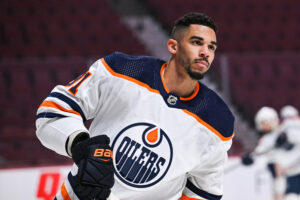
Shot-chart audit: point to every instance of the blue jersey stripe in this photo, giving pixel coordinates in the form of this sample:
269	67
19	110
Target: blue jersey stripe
49	115
202	193
70	102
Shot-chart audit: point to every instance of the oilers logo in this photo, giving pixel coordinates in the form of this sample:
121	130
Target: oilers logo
142	155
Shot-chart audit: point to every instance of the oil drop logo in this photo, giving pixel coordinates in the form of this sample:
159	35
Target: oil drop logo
142	155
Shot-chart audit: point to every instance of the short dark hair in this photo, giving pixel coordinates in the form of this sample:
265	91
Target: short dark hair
192	18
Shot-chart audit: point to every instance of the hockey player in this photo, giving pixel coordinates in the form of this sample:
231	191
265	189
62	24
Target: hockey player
157	131
290	165
267	123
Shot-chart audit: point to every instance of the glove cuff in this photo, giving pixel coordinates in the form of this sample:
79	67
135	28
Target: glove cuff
74	139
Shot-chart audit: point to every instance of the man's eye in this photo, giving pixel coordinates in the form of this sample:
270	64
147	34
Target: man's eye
212	47
196	42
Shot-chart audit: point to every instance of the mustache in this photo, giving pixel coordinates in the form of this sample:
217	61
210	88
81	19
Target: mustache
202	59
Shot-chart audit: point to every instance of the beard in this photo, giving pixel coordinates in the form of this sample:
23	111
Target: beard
194	75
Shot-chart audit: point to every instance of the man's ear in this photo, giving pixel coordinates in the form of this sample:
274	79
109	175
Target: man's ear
172	46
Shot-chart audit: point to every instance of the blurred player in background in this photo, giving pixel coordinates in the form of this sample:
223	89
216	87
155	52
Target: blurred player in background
290	140
267	124
168	132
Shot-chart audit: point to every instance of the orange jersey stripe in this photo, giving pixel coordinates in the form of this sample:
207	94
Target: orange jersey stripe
64	192
161	75
128	78
184	197
193	95
51	104
208	126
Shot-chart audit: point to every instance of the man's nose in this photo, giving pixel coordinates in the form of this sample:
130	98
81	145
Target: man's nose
204	51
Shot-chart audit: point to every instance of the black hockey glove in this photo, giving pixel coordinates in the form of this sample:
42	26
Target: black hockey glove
95	175
247	160
281	140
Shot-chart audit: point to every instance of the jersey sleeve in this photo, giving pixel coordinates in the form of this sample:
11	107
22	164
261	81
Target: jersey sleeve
66	109
291	127
205	182
266	143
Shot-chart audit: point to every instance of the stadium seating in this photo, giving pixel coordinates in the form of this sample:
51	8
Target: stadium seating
43	44
24	84
258	80
20	147
34	28
265	25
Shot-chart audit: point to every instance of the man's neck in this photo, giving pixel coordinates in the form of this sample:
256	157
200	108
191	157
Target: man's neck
178	81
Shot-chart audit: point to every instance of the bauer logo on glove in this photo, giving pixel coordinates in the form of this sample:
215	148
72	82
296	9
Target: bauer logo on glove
103	154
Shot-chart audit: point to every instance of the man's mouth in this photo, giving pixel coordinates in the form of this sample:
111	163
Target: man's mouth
202	63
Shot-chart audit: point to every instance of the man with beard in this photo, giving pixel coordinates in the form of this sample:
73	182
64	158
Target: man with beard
169	133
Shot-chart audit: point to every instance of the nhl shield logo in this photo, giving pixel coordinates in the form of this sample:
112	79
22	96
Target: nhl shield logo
172	100
142	155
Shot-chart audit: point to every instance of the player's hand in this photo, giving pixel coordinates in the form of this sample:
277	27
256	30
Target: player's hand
95	175
247	159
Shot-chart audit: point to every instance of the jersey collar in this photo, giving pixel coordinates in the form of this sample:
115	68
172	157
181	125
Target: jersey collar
192	96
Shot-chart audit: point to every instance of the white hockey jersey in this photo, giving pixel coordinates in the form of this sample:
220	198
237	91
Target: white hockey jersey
266	146
165	147
287	158
291	158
